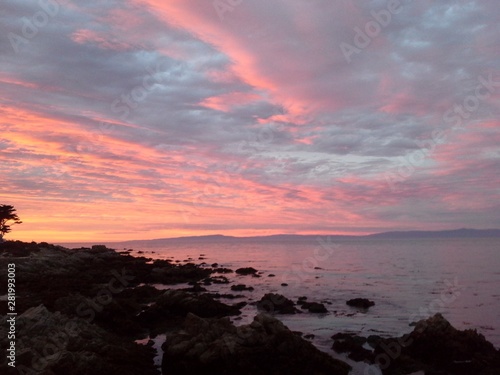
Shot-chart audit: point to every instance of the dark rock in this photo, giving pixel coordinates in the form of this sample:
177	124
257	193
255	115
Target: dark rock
246	271
228	296
196	288
361	303
374	340
214	265
222	270
284	284
313	307
53	343
101	249
276	303
19	249
216	280
271	275
241	287
264	347
178	274
178	302
435	346
352	344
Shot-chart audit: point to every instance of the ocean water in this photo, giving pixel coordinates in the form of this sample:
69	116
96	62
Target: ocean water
407	279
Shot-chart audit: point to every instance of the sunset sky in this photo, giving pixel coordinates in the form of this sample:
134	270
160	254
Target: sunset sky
139	119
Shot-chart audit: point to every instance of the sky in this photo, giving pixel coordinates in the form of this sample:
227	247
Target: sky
140	119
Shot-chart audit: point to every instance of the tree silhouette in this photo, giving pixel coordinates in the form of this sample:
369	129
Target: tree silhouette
7	213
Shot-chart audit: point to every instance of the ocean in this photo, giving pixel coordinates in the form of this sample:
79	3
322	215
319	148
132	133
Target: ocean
408	279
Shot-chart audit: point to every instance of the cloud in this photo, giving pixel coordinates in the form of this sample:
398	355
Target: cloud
184	116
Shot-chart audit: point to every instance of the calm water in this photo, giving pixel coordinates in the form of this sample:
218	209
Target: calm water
408	280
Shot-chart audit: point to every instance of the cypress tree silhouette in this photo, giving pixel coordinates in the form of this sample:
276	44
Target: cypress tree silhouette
7	213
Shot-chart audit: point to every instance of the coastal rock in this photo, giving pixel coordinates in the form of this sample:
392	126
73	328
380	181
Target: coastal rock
246	271
52	343
241	287
361	303
173	305
352	344
216	280
180	303
225	295
435	346
222	270
313	307
179	274
264	347
276	303
195	288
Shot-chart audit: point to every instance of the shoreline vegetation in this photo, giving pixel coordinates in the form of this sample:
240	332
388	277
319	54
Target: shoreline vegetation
83	311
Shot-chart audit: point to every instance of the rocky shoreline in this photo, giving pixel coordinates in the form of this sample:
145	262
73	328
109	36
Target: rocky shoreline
82	311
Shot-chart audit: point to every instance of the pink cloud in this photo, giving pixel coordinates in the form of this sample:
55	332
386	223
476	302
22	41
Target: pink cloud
87	36
226	102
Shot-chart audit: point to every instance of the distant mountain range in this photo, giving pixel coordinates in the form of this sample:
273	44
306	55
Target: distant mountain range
455	233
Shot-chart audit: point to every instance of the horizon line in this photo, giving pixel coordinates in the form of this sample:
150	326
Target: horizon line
287	234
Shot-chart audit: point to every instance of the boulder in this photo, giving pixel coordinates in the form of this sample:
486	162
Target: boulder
353	345
241	287
313	307
361	303
180	303
264	347
435	346
276	303
246	271
52	343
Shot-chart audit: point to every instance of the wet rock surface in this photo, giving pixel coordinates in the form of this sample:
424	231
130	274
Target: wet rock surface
276	303
313	307
353	345
266	346
361	303
105	295
53	343
246	271
435	346
241	287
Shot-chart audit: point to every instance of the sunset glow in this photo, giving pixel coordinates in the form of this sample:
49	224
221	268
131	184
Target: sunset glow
142	119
